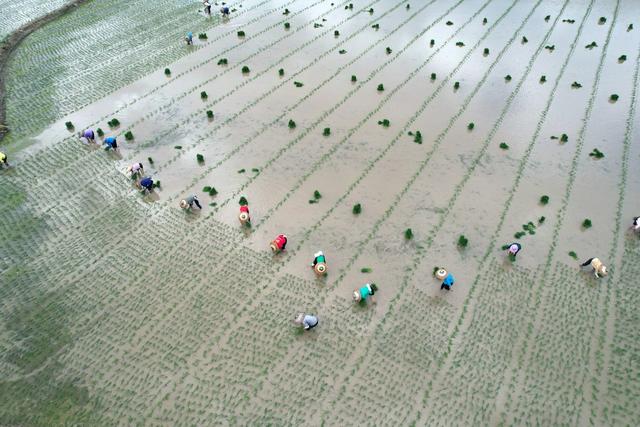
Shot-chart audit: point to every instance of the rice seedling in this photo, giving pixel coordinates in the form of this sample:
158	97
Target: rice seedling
432	42
113	123
591	45
291	124
349	6
614	97
255	170
245	70
241	33
576	85
570	21
564	138
128	135
550	47
470	126
508	77
449	23
281	72
486	51
178	147
541	220
212	191
376	26
408	6
357	209
206	188
326	131
150	160
456	85
435	270
595	153
202	36
167	72
512	257
69	125
342	51
525	40
317	195
298	84
463	241
505	247
370	10
213	204
354	78
336	33
459	44
586	223
546	18
223	61
504	146
388	50
418	137
203	95
519	234
622	58
384	122
243	201
100	132
602	20
544	200
366	270
156	184
573	255
380	87
408	234
200	158
287	25
484	21
210	114
242	170
312	201
433	76
630	27
529	227
286	12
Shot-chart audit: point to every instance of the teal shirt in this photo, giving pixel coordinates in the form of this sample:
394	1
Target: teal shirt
364	292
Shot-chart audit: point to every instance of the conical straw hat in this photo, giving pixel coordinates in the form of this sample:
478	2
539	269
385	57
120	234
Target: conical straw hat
356	295
321	268
274	247
441	274
244	217
183	204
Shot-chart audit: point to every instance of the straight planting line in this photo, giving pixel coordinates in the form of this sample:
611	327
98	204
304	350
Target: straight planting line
622	189
353	130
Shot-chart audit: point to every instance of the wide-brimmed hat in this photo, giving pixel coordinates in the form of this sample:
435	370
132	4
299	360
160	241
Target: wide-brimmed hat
244	217
299	318
320	268
274	247
356	295
603	270
183	204
441	273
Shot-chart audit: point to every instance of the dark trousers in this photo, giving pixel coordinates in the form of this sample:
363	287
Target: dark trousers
447	287
197	203
587	262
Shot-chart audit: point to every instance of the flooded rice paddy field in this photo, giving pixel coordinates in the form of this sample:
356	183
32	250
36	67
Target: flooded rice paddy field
121	308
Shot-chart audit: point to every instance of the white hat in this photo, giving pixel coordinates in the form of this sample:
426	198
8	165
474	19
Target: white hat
244	217
183	204
441	274
356	295
321	268
298	320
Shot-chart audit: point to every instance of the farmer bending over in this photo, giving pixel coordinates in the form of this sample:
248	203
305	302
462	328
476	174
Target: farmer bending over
307	321
189	202
599	269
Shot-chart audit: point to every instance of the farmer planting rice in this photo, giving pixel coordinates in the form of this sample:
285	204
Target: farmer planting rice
365	292
599	269
224	10
279	243
146	184
3	160
136	169
244	216
90	135
189	202
110	143
446	277
307	321
636	224
189	38
319	263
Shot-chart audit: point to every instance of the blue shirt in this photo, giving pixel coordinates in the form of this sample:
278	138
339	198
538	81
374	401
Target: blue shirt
309	321
146	182
110	141
449	280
